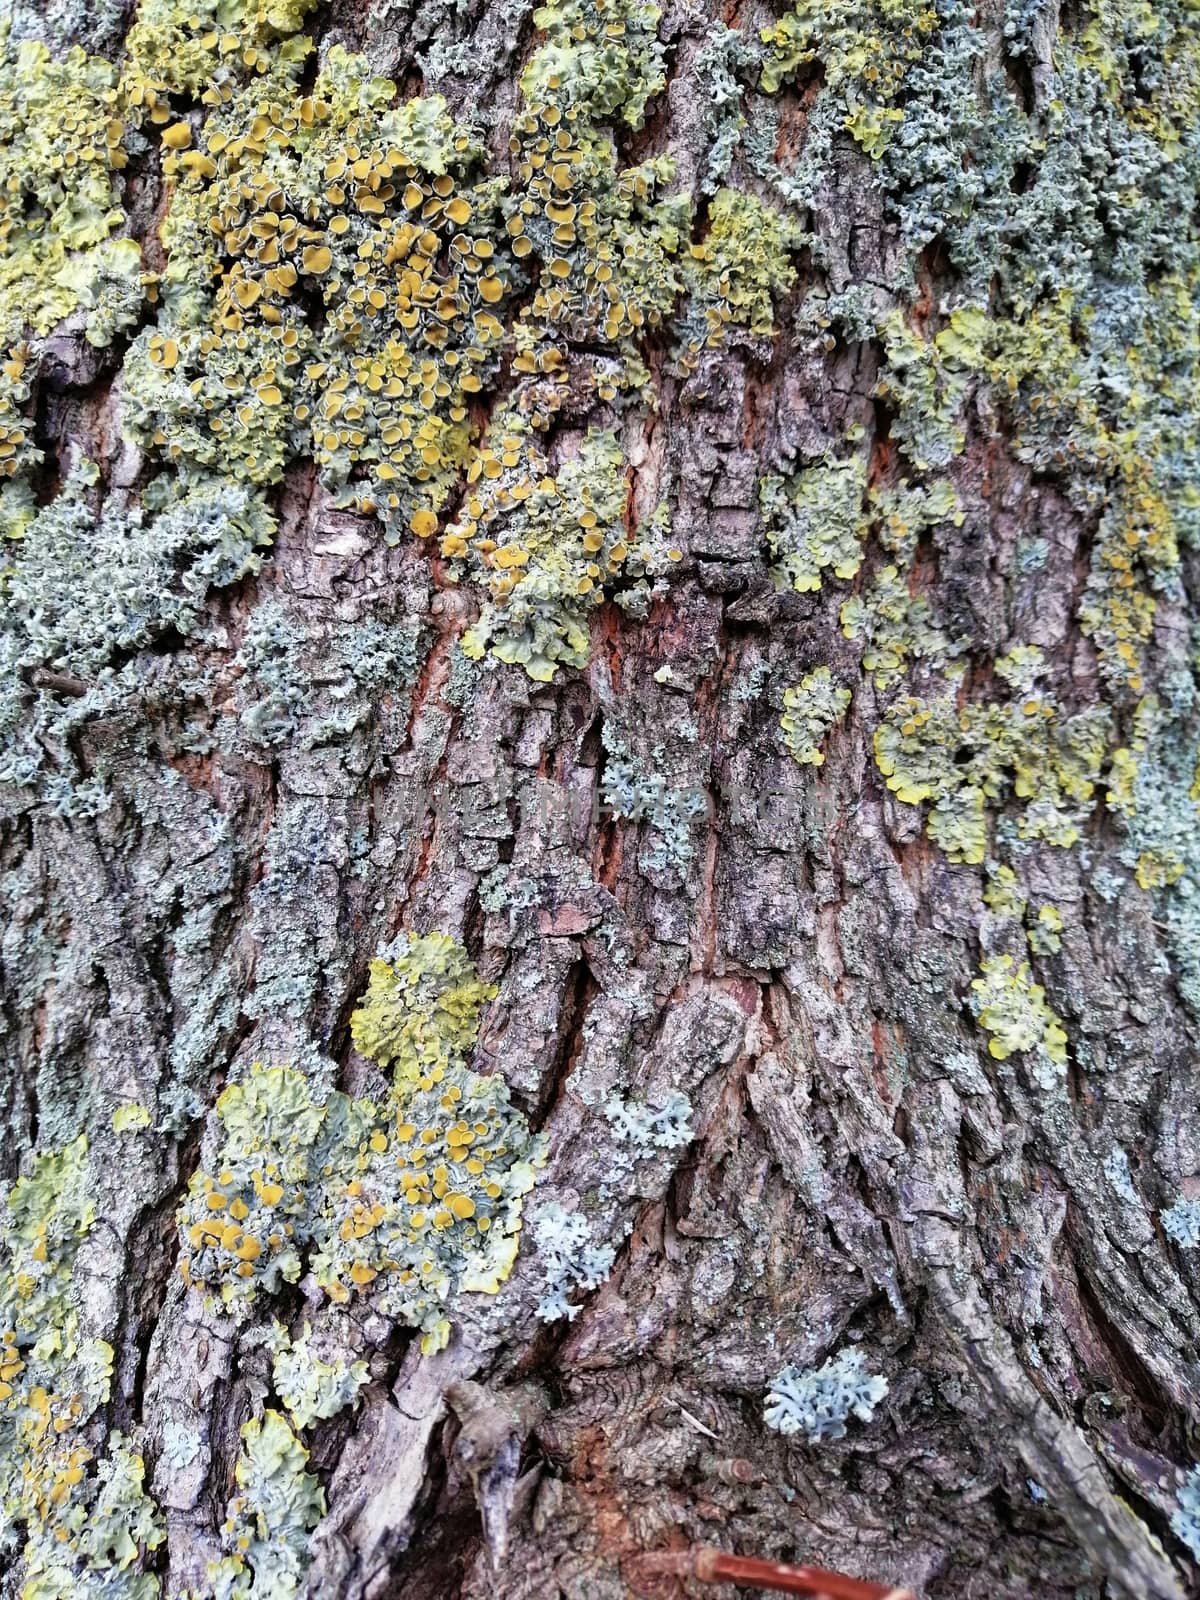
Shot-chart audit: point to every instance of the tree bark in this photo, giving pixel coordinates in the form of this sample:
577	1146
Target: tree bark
671	903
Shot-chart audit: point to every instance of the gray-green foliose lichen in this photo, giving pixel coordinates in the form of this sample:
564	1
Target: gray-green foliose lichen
341	281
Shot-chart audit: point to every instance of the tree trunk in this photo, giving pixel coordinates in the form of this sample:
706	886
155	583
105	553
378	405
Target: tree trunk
768	672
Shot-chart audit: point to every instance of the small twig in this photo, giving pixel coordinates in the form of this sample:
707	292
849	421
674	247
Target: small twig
715	1566
695	1421
59	682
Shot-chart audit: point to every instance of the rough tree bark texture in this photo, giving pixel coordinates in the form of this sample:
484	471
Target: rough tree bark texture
673	901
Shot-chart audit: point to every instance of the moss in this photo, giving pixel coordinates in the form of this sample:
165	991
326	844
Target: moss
410	1201
809	711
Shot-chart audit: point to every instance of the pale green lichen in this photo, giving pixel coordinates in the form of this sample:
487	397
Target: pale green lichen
413	266
312	1389
266	1530
1089	346
94	1536
601	58
110	286
864	49
896	627
1181	1222
421	1007
1013	1010
818	1403
61	154
18	452
396	243
1002	893
83	1525
203	48
926	382
569	1261
181	1444
810	709
737	271
61	150
815	521
294	687
1122	781
548	548
1185	1518
607	238
130	1118
410	1201
962	759
1045	931
663	1122
90	581
895	624
635	789
724	53
1154	795
280	197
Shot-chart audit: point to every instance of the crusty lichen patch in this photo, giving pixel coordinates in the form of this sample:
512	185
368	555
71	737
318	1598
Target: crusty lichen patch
407	1202
82	1520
